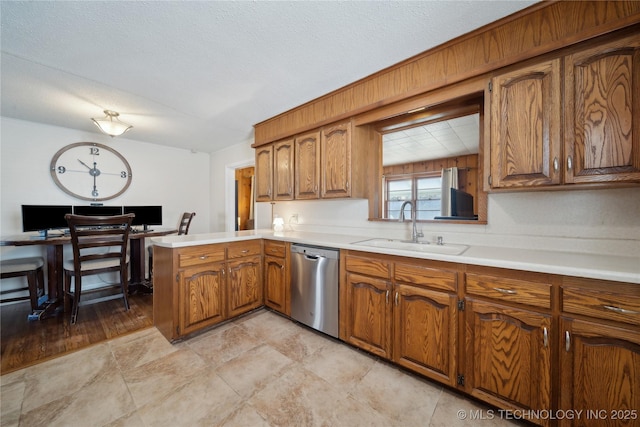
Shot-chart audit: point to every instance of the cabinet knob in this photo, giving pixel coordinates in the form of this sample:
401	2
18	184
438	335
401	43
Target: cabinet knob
567	341
545	337
387	297
556	164
203	257
396	299
569	163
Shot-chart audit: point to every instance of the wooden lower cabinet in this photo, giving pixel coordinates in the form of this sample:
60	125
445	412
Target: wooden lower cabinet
402	319
369	314
425	330
199	286
201	297
600	373
244	284
508	356
277	292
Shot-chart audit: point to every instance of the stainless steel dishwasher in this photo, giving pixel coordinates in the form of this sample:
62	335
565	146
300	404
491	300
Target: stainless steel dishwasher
314	287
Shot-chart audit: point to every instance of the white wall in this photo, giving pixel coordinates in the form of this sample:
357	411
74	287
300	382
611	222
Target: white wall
176	179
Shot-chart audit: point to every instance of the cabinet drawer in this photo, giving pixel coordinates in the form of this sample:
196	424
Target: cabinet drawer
426	276
200	255
369	266
513	290
244	248
274	248
602	304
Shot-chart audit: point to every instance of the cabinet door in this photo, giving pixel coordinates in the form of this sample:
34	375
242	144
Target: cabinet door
245	285
525	127
369	313
336	161
508	356
202	295
307	166
600	373
602	133
275	278
264	173
425	328
283	170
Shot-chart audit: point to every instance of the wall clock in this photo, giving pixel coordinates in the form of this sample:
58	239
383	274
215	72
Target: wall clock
90	171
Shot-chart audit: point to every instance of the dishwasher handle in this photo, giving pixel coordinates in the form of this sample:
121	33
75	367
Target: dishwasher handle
312	257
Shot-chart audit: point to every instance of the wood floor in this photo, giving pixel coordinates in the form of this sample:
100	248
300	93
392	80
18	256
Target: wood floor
24	343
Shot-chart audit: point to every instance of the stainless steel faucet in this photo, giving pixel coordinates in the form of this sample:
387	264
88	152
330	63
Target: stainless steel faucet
414	233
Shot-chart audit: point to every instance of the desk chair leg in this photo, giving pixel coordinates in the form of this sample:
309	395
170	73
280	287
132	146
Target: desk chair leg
35	281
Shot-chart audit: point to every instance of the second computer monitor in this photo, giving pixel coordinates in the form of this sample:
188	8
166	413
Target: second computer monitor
145	215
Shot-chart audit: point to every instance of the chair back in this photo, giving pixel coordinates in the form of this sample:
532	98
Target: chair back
185	222
99	238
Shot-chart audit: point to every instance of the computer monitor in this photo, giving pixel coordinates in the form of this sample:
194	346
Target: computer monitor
44	217
145	215
461	204
97	210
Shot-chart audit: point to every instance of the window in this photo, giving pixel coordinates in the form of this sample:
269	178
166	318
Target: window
423	191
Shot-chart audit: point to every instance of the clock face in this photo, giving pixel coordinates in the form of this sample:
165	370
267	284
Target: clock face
90	171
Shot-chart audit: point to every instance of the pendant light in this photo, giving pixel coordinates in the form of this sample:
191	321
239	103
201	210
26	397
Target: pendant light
111	124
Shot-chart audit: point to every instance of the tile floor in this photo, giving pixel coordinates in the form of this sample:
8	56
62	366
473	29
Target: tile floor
259	370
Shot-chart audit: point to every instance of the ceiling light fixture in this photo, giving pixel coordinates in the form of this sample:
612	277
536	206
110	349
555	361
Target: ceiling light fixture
111	124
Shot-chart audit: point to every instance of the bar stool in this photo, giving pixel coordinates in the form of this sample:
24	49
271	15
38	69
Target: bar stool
32	268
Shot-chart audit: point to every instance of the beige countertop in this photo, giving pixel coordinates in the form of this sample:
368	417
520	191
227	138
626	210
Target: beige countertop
594	266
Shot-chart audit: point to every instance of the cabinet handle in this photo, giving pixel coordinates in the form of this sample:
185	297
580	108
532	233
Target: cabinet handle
203	257
396	299
569	162
387	297
505	291
619	310
244	251
567	341
545	337
556	164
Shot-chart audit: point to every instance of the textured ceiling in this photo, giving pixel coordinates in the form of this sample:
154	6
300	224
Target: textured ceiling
199	75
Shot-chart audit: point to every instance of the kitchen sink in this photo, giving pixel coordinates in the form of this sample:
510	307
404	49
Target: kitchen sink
407	245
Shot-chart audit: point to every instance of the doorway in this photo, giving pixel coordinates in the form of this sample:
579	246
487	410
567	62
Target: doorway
244	214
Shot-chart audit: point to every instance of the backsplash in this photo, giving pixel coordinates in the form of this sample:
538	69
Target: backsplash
603	221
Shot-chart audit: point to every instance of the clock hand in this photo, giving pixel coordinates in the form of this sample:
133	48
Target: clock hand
94	172
84	164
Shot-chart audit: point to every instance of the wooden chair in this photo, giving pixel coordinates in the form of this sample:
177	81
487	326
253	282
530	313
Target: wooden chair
183	228
99	246
32	269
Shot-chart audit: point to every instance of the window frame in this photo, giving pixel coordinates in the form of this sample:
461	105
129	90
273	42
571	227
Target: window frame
413	177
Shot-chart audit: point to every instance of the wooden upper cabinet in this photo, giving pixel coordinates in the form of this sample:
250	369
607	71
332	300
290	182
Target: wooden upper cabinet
336	160
307	166
283	170
525	126
264	173
602	113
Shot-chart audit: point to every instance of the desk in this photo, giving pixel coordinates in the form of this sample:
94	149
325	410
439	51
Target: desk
54	248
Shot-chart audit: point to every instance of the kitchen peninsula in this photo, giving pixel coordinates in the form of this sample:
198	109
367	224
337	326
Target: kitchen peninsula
558	315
